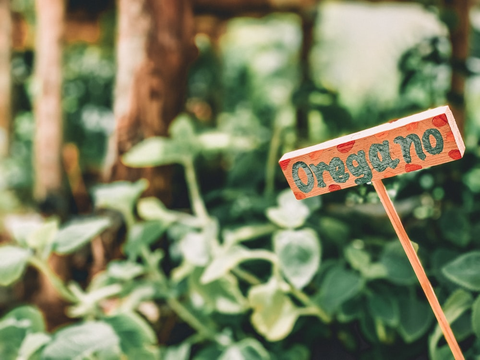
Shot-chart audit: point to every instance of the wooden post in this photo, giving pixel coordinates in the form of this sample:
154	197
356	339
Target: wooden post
5	79
418	268
48	98
459	34
409	144
155	47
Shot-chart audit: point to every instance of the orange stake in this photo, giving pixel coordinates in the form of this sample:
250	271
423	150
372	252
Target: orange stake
418	268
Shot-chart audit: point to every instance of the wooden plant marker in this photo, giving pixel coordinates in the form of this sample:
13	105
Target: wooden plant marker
408	144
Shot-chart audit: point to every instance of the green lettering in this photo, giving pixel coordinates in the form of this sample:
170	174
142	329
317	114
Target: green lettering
305	188
438	141
406	144
360	169
336	168
381	163
318	171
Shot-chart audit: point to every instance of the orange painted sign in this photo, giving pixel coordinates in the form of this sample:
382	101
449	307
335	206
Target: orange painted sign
408	144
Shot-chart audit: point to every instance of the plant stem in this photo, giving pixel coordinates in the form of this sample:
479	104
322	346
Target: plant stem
305	300
249	232
264	255
185	314
57	283
246	276
272	160
193	321
197	201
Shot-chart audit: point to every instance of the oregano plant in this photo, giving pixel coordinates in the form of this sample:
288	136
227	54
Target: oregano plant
244	287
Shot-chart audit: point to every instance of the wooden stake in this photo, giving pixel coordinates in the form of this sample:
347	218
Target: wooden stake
375	154
418	268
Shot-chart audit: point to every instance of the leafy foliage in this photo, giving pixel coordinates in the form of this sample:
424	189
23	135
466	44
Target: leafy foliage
12	263
248	271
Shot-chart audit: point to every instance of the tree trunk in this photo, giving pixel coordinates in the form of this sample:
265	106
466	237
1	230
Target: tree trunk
48	139
308	26
155	47
48	105
459	40
5	79
232	8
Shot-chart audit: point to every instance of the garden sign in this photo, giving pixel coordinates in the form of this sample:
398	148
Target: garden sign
404	145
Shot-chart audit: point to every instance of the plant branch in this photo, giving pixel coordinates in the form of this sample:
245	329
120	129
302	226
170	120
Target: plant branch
193	321
272	160
314	309
57	283
249	232
185	314
246	276
197	201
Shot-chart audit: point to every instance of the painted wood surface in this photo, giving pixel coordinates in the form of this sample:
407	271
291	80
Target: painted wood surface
400	146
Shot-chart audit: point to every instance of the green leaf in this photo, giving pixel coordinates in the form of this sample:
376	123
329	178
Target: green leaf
14	328
350	310
28	317
476	317
155	151
152	353
12	263
79	341
384	307
399	270
21	226
208	353
299	254
472	180
31	344
375	271
360	260
11	338
415	319
179	352
215	141
182	129
465	270
438	259
124	270
334	230
121	196
274	314
195	248
77	233
152	208
230	257
456	304
338	286
290	213
296	352
369	328
132	330
462	327
247	349
455	227
142	234
221	295
443	353
43	236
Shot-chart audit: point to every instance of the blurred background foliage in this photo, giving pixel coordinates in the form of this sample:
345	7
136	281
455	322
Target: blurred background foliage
262	86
